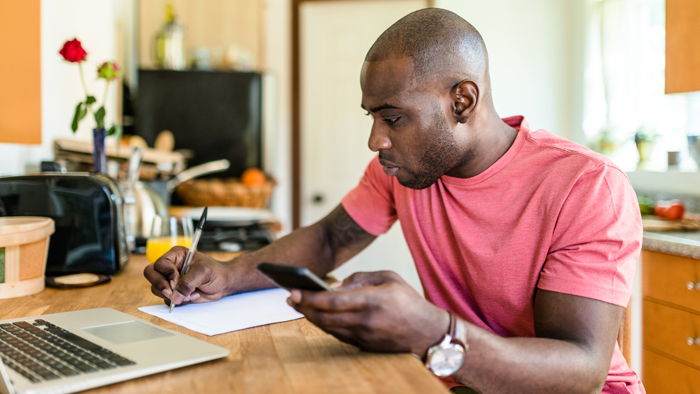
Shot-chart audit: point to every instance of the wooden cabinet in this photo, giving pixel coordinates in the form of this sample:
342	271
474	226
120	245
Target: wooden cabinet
671	323
222	26
663	375
20	72
682	44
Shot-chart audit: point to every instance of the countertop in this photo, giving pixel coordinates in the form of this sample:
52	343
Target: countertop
292	357
680	243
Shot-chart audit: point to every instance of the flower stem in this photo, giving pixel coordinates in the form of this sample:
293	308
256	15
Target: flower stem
104	99
82	79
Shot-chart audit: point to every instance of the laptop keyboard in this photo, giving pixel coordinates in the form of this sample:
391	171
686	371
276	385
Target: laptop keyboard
40	351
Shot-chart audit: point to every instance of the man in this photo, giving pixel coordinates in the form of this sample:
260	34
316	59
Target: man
530	241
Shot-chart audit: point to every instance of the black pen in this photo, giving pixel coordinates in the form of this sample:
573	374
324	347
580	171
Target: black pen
190	252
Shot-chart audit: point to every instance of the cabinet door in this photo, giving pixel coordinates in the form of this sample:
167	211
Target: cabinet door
223	26
664	376
20	72
682	43
672	331
671	279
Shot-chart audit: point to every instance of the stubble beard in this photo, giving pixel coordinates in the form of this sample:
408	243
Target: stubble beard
439	157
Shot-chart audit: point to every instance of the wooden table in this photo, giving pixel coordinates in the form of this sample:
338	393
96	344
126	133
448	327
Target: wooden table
290	357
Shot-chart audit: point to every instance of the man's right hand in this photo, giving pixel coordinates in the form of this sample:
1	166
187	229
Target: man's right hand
206	280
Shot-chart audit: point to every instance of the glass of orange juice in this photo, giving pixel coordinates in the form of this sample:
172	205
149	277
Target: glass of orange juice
167	232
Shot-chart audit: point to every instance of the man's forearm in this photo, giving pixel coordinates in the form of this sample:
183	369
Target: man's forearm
575	339
321	247
307	247
528	365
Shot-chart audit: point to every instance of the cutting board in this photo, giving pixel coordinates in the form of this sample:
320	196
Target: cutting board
653	223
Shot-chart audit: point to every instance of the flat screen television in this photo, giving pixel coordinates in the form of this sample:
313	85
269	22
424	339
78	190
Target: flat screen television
216	114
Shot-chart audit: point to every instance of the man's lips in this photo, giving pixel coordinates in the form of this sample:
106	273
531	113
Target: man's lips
389	168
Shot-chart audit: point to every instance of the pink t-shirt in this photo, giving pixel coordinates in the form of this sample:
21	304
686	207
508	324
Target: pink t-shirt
549	214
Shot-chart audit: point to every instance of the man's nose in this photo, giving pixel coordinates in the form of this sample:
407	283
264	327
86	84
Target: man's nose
378	138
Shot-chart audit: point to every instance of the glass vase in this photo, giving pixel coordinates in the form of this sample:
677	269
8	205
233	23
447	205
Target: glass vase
99	156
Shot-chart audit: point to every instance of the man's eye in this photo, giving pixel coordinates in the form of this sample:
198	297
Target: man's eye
391	120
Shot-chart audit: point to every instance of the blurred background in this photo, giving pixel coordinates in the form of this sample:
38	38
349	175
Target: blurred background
274	85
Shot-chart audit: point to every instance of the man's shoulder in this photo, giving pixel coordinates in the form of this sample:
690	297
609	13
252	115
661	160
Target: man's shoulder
557	153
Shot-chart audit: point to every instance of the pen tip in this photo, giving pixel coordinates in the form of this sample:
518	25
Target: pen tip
202	219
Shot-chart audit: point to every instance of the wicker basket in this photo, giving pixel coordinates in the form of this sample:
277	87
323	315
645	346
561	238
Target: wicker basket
225	193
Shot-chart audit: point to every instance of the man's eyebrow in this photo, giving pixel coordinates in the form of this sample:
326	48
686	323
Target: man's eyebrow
380	107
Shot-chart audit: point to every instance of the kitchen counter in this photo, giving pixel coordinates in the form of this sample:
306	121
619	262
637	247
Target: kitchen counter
679	243
293	357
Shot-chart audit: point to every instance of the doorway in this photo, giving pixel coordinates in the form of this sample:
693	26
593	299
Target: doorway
334	37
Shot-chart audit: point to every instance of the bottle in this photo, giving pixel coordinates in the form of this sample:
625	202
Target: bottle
170	43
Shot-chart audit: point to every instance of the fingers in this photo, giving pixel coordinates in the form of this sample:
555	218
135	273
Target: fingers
348	327
345	335
194	298
170	263
331	301
158	281
328	320
198	275
362	279
163	270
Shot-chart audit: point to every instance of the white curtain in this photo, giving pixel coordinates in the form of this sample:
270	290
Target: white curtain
624	82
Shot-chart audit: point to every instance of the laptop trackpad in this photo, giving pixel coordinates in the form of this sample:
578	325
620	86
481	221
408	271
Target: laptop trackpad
127	332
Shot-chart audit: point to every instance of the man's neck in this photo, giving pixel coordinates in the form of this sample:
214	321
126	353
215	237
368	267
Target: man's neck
493	139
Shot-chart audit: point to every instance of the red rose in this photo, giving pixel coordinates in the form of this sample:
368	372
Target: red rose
73	51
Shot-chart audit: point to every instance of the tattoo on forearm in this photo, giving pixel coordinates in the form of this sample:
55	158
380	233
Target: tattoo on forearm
345	233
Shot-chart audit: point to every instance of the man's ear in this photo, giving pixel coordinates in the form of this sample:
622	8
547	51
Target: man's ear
465	96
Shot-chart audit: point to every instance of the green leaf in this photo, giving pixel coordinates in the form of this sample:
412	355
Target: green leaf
116	130
90	100
100	117
83	112
80	112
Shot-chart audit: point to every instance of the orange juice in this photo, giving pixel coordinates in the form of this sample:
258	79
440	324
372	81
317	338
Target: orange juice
156	247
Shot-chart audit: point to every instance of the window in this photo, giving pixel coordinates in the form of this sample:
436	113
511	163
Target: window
624	86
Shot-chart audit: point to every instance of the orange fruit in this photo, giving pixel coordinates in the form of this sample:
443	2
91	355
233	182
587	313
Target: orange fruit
253	176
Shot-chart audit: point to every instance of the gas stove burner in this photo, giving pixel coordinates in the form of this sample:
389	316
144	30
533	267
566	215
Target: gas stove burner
220	237
216	237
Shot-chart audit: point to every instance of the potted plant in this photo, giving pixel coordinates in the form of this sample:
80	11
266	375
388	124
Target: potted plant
644	140
73	52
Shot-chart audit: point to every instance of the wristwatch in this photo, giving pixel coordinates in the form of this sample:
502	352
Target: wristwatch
447	357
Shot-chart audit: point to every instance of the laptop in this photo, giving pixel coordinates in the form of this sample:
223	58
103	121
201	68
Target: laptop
75	351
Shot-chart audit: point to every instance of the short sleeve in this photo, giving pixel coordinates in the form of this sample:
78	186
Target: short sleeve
371	204
597	239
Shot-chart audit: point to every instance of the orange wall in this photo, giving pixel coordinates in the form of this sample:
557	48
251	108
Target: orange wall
20	71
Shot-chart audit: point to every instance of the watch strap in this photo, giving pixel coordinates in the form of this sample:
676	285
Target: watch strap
459	335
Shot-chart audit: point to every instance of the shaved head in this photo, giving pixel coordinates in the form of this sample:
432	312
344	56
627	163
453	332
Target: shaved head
425	82
443	47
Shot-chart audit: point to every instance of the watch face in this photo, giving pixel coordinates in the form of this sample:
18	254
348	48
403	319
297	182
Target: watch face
447	360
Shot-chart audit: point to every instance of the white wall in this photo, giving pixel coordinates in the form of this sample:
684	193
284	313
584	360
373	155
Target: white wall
535	48
92	22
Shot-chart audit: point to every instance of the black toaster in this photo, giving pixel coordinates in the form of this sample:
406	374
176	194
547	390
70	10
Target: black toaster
88	213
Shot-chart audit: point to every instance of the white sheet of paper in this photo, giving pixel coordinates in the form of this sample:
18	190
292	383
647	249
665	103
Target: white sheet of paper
231	313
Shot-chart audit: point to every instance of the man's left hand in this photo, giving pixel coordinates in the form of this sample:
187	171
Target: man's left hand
376	311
